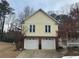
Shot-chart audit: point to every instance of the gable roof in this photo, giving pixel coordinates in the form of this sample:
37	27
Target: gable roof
45	14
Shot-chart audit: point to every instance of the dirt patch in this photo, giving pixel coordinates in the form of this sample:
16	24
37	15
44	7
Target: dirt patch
7	50
72	53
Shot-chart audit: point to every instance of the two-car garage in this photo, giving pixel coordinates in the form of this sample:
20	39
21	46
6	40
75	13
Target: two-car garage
36	43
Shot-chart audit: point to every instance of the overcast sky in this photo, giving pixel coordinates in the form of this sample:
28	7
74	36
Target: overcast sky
46	5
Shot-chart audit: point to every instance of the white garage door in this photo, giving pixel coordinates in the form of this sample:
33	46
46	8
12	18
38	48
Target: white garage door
30	44
48	44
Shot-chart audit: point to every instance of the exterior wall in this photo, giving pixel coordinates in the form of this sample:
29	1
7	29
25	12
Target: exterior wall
68	43
40	20
73	43
61	42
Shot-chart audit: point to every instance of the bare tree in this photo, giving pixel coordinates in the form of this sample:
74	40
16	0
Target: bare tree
74	11
26	12
70	27
10	20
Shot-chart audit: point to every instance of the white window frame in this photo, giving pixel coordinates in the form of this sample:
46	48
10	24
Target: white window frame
32	28
47	28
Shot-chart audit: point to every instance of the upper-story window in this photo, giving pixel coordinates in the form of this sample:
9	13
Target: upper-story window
47	28
32	28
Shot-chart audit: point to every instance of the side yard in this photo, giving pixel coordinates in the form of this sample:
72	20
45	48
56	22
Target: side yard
7	50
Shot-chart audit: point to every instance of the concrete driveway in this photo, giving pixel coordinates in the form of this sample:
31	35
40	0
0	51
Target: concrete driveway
40	54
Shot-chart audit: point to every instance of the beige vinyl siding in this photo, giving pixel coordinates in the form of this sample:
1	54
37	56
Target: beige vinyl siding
40	20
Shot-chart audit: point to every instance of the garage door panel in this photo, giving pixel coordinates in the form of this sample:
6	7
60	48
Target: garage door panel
30	44
48	44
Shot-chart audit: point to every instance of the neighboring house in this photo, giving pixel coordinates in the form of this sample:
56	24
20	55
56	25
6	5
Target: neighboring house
40	31
69	33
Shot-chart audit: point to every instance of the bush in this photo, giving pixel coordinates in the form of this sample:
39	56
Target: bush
14	36
60	47
11	36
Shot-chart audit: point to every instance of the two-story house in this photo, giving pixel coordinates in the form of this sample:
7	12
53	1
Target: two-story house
40	30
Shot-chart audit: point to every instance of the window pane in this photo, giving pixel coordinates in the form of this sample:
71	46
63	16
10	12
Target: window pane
33	28
45	28
30	28
49	28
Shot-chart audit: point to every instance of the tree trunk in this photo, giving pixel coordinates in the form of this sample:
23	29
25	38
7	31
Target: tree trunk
2	36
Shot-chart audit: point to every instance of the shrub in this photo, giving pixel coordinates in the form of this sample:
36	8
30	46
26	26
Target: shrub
11	36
